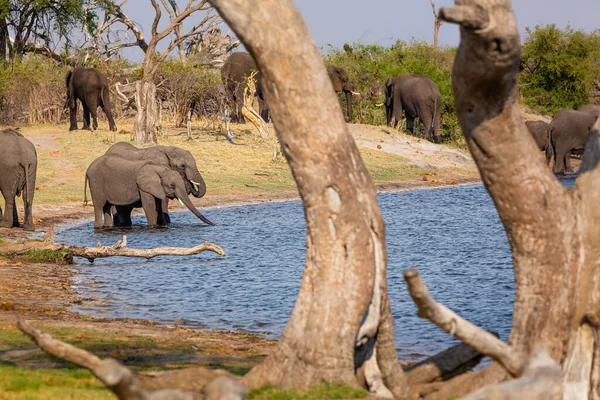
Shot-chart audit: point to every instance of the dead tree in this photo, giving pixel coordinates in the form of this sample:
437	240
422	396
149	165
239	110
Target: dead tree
437	24
248	110
145	120
341	329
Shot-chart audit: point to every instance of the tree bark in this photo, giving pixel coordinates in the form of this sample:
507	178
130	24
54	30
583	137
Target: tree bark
144	127
344	278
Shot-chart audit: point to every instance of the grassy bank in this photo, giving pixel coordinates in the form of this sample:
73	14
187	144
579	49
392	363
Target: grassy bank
229	169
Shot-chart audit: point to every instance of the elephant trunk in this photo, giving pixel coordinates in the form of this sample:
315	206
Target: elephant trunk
349	103
193	176
185	200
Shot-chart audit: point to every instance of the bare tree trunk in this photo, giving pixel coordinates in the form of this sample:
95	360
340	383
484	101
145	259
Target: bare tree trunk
144	128
437	24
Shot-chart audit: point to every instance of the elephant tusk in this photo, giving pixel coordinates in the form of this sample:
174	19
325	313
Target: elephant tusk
355	93
181	202
195	183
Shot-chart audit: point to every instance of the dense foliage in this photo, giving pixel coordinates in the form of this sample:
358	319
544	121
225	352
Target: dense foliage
558	68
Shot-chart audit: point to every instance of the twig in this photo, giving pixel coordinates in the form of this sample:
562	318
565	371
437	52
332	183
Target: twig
479	339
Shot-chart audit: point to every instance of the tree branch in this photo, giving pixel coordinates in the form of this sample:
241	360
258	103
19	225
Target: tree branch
479	339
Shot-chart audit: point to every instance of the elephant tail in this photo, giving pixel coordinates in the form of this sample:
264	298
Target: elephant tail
70	92
434	116
85	184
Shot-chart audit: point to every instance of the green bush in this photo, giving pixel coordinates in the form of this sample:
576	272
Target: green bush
558	68
369	66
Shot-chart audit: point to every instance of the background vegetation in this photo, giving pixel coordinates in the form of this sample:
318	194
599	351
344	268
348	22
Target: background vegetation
559	69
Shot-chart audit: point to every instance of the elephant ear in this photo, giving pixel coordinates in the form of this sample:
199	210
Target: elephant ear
389	82
148	180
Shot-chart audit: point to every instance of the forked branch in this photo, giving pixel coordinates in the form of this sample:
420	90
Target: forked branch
479	339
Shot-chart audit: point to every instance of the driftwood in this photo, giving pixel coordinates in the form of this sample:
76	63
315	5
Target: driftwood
127	385
119	249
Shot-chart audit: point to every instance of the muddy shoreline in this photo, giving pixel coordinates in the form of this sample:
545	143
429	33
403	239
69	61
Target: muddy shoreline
43	292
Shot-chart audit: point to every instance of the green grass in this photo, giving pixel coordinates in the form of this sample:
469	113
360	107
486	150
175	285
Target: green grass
49	384
325	391
60	256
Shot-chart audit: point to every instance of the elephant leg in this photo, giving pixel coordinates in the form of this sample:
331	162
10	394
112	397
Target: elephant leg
559	160
166	219
427	120
9	210
239	104
106	107
86	117
15	214
122	216
151	209
410	124
0	213
263	109
437	120
108	222
94	114
73	116
568	162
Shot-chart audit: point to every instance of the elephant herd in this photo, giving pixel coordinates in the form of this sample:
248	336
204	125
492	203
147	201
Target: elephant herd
412	96
124	178
566	135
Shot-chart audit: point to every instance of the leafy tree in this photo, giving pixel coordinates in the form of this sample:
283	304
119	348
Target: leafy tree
558	68
38	25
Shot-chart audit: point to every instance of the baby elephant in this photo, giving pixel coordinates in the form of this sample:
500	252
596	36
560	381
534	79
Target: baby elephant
128	184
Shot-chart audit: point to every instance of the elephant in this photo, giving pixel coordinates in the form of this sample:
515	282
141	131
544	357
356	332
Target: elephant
418	97
18	169
341	83
236	69
591	109
569	132
177	159
89	86
540	131
133	183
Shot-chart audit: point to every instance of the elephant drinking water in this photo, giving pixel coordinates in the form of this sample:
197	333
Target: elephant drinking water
175	158
128	184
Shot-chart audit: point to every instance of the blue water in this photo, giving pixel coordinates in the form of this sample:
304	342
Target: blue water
452	235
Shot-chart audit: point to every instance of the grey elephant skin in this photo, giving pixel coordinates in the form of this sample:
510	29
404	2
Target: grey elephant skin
569	132
234	73
175	158
341	84
540	131
119	182
417	97
18	169
90	87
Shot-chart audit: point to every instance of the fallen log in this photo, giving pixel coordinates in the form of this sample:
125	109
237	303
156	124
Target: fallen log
119	249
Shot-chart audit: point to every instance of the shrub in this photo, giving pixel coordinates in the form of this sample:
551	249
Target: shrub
558	68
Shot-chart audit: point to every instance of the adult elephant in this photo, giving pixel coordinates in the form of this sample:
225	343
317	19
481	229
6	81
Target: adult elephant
417	97
175	158
540	131
18	168
115	181
90	87
569	132
234	73
341	84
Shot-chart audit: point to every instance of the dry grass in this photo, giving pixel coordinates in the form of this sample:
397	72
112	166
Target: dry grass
241	168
